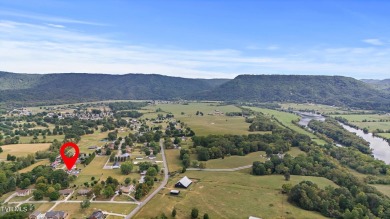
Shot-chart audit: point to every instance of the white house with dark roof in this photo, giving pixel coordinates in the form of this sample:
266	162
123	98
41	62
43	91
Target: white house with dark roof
183	183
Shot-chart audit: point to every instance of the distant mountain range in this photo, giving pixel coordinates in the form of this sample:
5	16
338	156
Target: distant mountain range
33	89
379	84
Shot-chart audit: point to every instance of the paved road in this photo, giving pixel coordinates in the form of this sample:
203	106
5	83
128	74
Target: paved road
163	184
221	170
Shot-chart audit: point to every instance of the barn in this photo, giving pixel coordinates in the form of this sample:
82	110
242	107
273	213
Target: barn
183	183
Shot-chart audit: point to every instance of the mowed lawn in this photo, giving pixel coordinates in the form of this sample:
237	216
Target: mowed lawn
206	124
20	150
95	169
231	195
286	119
75	212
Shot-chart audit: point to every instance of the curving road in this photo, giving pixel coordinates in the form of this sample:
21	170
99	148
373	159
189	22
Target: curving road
162	185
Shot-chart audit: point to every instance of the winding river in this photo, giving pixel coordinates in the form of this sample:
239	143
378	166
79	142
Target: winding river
380	147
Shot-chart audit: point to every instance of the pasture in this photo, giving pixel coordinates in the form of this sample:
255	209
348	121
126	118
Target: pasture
75	212
230	195
215	123
370	121
20	150
323	109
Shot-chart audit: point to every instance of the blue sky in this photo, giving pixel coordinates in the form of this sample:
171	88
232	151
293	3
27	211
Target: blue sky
198	39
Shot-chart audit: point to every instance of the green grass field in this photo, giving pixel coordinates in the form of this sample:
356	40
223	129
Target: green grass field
173	159
76	212
323	109
384	135
203	125
94	139
174	162
95	169
49	138
230	195
373	121
286	119
20	150
236	161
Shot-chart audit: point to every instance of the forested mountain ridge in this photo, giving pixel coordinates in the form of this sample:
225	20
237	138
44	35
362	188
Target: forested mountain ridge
83	87
330	90
379	84
78	87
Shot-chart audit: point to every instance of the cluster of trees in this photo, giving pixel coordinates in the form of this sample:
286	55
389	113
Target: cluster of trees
194	214
174	131
199	113
52	153
185	157
261	123
219	146
117	106
131	114
233	114
126	167
339	202
8	140
89	159
332	129
105	188
47	182
358	161
317	162
152	170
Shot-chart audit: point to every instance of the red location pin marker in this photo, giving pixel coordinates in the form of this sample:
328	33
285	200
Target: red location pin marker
69	161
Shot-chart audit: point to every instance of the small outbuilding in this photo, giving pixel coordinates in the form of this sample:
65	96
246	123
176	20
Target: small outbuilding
183	183
175	192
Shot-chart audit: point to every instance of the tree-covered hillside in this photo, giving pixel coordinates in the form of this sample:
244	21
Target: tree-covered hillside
29	89
330	90
82	87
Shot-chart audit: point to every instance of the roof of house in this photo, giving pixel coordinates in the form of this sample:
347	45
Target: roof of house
58	214
83	191
97	214
185	181
126	189
22	191
65	191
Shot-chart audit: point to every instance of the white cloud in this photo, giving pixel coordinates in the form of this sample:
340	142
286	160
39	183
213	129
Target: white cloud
56	25
374	42
33	48
48	18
